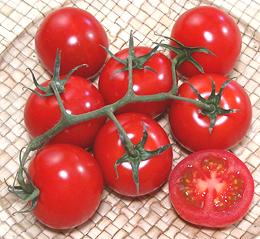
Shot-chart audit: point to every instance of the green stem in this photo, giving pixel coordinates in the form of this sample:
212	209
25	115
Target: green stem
130	90
129	147
76	119
165	96
174	65
68	120
42	139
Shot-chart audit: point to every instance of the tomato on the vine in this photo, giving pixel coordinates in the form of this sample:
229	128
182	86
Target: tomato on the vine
190	126
70	184
108	148
208	27
154	77
211	188
80	96
78	35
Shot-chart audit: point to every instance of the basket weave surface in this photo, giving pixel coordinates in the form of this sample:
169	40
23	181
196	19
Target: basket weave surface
148	217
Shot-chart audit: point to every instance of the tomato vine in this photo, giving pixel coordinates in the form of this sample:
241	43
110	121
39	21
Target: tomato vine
27	191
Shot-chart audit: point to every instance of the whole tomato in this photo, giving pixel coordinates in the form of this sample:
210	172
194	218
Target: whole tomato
78	35
113	83
108	148
212	28
70	184
190	126
80	96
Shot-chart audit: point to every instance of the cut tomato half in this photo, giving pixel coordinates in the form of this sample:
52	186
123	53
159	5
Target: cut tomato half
211	188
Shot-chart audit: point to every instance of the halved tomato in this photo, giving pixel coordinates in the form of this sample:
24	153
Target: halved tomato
211	188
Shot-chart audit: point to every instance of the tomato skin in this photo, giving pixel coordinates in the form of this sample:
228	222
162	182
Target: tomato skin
78	35
108	148
188	124
209	215
209	27
145	82
70	184
80	96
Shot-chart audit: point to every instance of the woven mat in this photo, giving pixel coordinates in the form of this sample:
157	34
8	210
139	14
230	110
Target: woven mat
148	217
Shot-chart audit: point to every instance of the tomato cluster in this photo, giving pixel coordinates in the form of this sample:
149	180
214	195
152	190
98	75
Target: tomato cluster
131	152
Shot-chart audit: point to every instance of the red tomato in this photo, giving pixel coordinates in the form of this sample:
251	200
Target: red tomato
108	149
78	35
70	184
80	96
145	81
211	188
191	128
209	27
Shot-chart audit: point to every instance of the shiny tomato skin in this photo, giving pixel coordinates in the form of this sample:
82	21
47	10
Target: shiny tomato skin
209	27
70	184
80	96
113	85
78	35
108	148
224	187
191	129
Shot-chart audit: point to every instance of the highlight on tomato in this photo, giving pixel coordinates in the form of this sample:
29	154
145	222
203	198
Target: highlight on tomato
78	96
211	188
145	169
79	36
151	75
212	28
222	125
70	185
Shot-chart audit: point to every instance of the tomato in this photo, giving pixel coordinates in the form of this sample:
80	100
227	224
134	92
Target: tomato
80	96
209	27
78	35
191	128
70	184
211	188
108	149
145	81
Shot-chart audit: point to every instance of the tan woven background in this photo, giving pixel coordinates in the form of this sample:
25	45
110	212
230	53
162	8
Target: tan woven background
148	217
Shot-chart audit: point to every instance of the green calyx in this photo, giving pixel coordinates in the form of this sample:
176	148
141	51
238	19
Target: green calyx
138	155
184	53
60	84
213	101
26	190
137	62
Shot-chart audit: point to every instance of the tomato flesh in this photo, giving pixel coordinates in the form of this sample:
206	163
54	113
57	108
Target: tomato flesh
211	188
226	188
